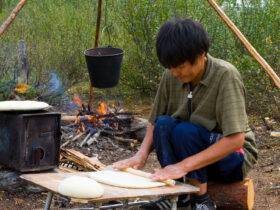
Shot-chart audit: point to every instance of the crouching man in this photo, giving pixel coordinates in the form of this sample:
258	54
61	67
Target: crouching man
198	124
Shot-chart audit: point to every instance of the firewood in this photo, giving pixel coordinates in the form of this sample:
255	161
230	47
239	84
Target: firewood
239	195
91	164
94	138
69	118
85	139
125	140
72	139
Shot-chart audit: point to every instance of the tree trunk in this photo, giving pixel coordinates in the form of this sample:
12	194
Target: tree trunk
239	195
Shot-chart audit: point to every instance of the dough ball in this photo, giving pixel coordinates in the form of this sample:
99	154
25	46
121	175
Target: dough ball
80	187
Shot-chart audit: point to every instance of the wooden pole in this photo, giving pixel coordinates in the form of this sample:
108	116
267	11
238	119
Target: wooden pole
245	42
97	29
12	16
98	20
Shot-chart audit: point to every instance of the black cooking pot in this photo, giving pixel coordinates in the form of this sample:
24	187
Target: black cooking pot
104	64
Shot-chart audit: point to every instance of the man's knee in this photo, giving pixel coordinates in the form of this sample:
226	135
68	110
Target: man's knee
164	121
185	133
162	131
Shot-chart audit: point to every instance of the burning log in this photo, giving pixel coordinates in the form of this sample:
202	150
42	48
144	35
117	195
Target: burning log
87	117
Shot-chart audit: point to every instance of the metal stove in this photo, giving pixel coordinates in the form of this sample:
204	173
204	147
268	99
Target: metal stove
29	141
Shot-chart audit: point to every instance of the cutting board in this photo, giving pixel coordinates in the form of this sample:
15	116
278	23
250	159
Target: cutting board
50	181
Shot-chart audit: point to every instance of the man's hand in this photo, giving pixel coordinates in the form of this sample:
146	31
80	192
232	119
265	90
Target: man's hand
169	172
137	162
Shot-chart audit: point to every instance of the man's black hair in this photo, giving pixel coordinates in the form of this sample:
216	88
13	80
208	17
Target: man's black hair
181	40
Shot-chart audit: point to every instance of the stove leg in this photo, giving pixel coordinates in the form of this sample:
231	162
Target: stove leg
48	201
174	203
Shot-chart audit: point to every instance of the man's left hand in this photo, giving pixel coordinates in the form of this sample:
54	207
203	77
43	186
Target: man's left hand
169	172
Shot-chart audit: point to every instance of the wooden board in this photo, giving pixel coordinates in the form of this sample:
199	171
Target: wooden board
50	181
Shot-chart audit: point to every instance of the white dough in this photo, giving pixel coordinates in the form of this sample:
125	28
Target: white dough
22	105
123	179
80	187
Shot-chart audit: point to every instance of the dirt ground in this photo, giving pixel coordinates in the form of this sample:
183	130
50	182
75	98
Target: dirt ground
266	173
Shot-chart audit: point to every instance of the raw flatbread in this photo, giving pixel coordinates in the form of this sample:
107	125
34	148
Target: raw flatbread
22	105
123	179
80	187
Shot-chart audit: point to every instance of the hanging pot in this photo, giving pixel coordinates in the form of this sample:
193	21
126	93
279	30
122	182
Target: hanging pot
104	64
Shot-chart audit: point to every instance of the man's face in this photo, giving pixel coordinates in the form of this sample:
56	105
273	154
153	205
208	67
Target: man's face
188	72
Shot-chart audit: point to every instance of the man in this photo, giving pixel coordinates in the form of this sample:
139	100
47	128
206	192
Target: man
198	124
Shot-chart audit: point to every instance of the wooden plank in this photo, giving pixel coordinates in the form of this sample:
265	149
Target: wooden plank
50	181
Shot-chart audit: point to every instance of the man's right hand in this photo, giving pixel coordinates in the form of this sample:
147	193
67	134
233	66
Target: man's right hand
137	162
139	159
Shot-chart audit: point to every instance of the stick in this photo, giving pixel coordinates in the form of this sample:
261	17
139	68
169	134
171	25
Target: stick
12	16
169	182
72	140
245	42
85	140
93	138
124	140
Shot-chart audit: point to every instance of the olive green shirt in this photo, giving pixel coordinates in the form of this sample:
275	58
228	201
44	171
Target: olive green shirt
218	103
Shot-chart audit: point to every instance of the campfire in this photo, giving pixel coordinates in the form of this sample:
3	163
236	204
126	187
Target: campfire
104	123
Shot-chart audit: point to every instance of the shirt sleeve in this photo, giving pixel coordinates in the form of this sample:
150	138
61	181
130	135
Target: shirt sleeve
231	108
160	102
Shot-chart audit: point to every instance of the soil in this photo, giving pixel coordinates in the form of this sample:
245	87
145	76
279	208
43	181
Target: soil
266	173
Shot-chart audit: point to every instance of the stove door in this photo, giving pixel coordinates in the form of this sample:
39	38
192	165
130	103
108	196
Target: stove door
42	142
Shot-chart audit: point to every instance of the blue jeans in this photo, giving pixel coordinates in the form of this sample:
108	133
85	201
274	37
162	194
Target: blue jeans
174	140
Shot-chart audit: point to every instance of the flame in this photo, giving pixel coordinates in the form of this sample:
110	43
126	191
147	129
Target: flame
21	88
76	99
102	108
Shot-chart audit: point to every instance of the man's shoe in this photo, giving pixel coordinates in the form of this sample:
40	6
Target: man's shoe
203	202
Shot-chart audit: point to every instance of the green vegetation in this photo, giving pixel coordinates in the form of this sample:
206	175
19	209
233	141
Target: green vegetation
58	31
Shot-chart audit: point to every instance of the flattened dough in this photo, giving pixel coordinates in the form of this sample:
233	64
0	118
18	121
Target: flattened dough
80	187
123	179
22	105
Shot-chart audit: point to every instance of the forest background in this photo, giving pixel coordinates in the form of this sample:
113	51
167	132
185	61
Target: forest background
57	32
